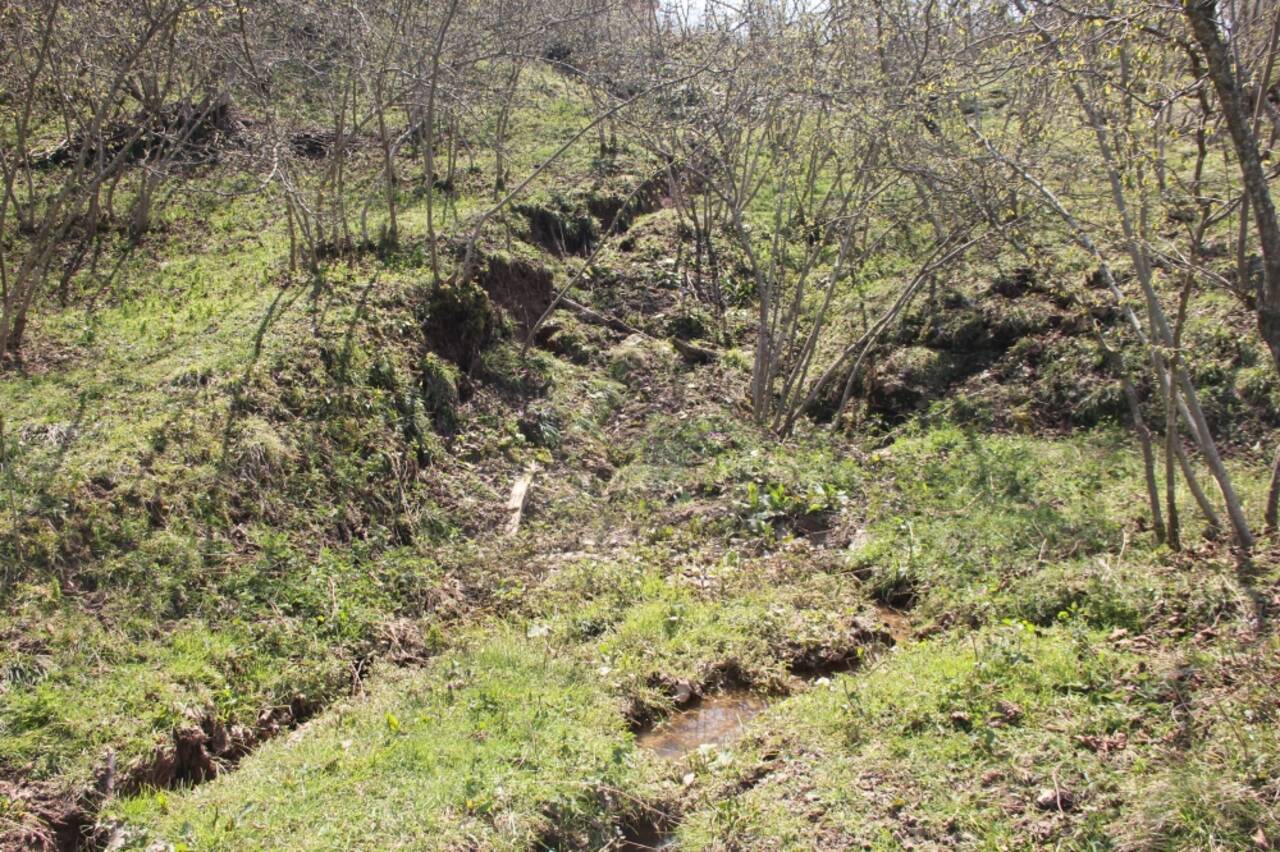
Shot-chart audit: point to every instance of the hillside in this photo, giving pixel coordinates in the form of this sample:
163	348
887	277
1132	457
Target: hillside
326	548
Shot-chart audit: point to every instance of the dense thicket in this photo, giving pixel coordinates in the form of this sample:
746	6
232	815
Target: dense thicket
806	147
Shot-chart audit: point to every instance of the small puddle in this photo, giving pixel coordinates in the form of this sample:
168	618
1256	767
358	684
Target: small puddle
714	720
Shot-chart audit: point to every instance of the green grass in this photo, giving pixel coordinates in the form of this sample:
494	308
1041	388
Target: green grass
521	737
126	693
952	741
946	742
182	647
226	489
501	744
949	739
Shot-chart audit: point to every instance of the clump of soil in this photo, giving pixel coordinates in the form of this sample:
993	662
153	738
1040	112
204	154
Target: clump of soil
458	322
619	212
41	818
910	377
312	143
841	652
559	230
195	755
438	389
519	286
199	129
1018	350
200	751
632	360
574	341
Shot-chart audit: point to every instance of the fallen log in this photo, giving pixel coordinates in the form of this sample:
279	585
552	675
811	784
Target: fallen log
597	318
689	351
694	353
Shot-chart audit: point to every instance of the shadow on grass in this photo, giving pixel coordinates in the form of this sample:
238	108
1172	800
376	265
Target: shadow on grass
274	311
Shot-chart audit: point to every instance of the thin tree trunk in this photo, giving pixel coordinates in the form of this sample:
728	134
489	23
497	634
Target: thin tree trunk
1202	15
430	128
1144	437
1163	378
1273	496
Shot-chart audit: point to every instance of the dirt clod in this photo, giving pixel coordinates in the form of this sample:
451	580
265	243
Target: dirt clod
1055	799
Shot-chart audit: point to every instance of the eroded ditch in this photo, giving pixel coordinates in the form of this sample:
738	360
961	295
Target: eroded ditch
718	718
714	718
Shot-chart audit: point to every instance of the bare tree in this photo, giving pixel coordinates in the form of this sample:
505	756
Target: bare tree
108	79
1242	121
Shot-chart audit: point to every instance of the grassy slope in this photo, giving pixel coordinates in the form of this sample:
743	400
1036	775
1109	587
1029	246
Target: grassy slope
173	547
1127	682
500	741
207	535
